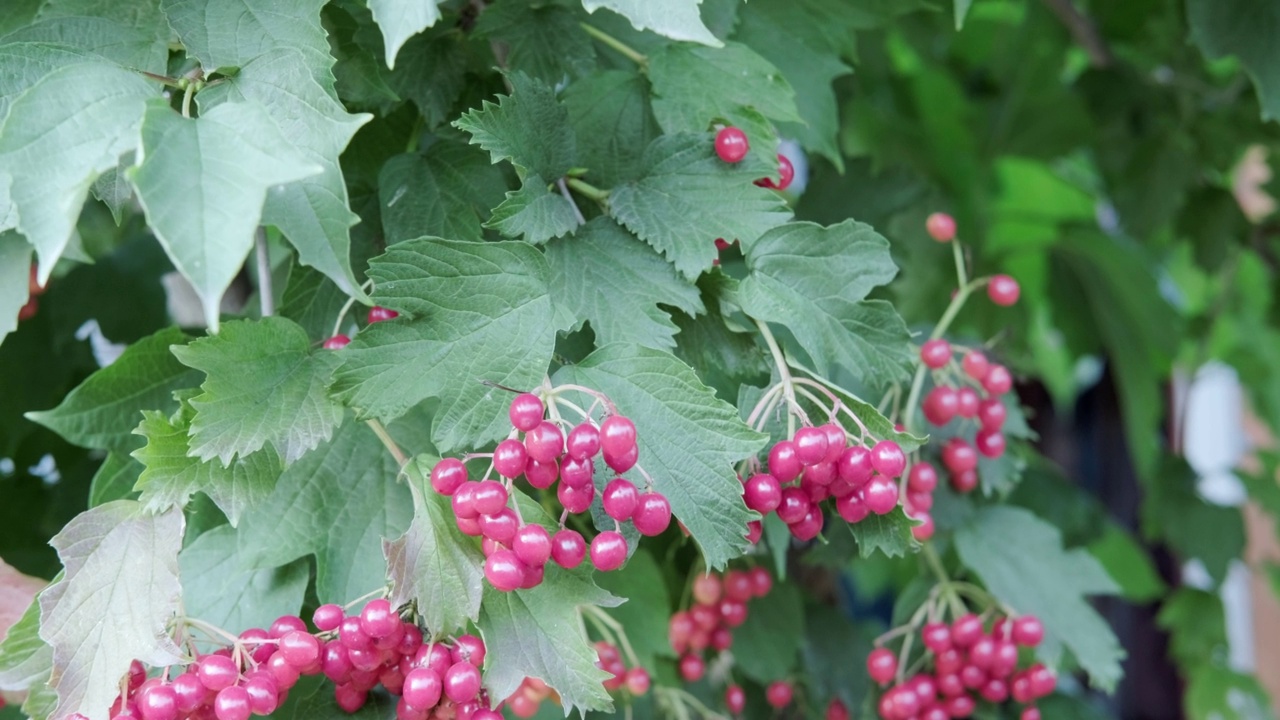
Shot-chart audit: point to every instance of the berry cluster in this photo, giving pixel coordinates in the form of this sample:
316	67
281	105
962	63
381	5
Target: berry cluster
732	147
635	679
818	463
376	314
968	663
356	652
517	552
969	390
527	698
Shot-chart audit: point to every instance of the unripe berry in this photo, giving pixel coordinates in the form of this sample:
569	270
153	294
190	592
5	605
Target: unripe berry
707	589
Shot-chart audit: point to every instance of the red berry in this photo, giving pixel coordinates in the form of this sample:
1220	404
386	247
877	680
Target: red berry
620	499
232	703
541	475
583	442
264	694
880	495
794	505
960	706
691	667
488	497
975	365
637	681
422	688
735	699
778	694
854	466
733	612
965	481
809	526
992	414
300	649
568	548
967	402
784	461
994	690
510	458
448	475
525	412
941	404
811	445
1003	290
608	551
762	493
755	531
349	697
352	635
1030	713
851	508
958	455
935	353
731	144
470	648
189	691
1028	631
577	473
836	442
380	314
1043	681
922	478
327	617
377	619
965	630
924	530
936	637
217	672
652	515
990	443
761	581
532	545
941	227
576	499
617	435
544	442
888	459
786	173
337	342
882	665
504	570
157	702
998	380
836	710
461	682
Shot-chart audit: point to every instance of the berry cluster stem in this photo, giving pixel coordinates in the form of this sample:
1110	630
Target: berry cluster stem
588	190
944	581
626	50
784	375
388	442
612	631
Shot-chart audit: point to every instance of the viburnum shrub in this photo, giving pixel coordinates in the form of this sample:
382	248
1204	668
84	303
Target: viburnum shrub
438	359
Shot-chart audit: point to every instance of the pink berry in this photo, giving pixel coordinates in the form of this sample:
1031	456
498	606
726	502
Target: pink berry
264	694
924	530
422	688
882	665
888	459
157	702
965	630
232	703
327	617
784	461
998	380
935	353
958	455
576	499
1028	631
835	442
501	526
638	681
941	227
941	404
620	499
836	710
755	531
731	144
448	475
1003	290
1029	713
337	342
286	624
470	648
381	314
300	649
608	551
778	694
761	581
762	493
811	445
489	497
794	505
349	697
510	458
975	365
532	544
217	672
624	462
990	443
545	442
965	481
880	495
461	682
504	570
992	414
967	402
854	466
377	619
525	412
851	508
617	435
922	477
735	699
352	634
583	442
541	475
691	667
936	637
652	515
809	526
568	548
577	473
707	589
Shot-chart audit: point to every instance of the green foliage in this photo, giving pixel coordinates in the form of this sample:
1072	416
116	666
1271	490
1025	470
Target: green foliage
218	587
767	644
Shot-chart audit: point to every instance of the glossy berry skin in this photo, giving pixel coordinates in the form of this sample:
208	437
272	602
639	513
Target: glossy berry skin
300	649
489	497
575	499
422	688
940	226
731	144
217	672
967	402
809	526
652	515
337	342
624	462
786	174
990	443
854	466
232	703
836	442
532	545
469	648
965	481
975	365
504	570
1003	290
936	637
737	585
620	499
617	435
461	682
924	530
525	412
922	478
794	505
381	314
638	681
958	455
545	442
691	667
935	353
510	458
264	695
941	405
157	702
882	665
577	473
966	630
1028	631
880	495
608	551
784	461
851	508
327	617
811	445
541	475
377	619
998	380
992	413
568	548
448	475
778	694
762	493
583	442
735	699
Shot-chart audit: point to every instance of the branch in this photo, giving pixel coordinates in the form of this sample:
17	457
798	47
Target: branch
1084	31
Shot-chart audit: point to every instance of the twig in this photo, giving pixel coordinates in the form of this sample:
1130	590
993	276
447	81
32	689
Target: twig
388	442
564	190
265	295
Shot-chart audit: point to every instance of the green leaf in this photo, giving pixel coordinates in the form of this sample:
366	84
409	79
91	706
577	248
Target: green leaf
1216	693
1021	560
446	191
835	655
724	358
62	132
130	33
313	302
546	42
113	188
814	281
203	182
686	197
675	19
336	503
400	20
693	85
767	644
312	213
103	410
793	37
171	474
889	533
534	212
777	536
219	587
15	264
689	440
231	33
1128	564
613	123
25	659
961	10
433	564
114	480
477	311
431	71
647	610
40	702
539	633
121	563
1194	527
263	384
1246	30
604	275
1197	625
529	127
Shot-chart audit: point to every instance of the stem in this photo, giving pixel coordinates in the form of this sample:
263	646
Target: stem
948	316
601	397
948	587
346	307
958	254
163	79
762	403
265	295
564	190
619	633
587	190
367	596
211	630
414	136
388	442
186	99
784	375
626	50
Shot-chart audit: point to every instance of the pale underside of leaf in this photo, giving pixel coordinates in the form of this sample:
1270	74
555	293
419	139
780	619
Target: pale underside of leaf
676	19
